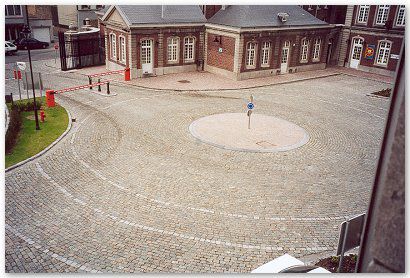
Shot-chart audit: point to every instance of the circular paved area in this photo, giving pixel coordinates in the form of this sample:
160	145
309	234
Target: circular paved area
233	131
130	190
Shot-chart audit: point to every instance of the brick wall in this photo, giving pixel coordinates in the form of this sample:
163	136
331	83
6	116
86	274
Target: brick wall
224	59
372	18
181	35
277	39
374	39
39	12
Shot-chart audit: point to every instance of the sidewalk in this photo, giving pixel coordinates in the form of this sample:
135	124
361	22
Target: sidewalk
206	81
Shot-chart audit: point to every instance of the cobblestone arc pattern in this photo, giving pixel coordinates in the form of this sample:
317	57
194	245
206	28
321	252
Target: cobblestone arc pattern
130	190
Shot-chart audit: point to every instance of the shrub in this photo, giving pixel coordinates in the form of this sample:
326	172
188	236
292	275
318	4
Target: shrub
27	105
13	129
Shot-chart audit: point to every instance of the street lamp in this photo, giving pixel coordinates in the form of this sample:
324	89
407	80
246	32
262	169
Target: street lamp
26	33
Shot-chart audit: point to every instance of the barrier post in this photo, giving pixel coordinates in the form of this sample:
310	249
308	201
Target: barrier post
18	74
127	74
50	98
99	85
108	87
90	82
15	74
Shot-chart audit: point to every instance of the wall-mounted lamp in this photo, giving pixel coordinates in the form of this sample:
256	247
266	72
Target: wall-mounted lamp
218	40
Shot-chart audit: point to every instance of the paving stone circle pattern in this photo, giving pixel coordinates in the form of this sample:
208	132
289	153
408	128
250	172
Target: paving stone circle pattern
232	131
129	189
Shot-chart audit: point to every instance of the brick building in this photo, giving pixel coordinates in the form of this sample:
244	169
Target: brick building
241	42
256	41
372	37
154	40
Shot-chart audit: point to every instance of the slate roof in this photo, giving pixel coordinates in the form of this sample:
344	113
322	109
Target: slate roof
243	16
151	14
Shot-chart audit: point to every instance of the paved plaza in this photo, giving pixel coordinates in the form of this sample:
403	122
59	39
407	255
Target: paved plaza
129	189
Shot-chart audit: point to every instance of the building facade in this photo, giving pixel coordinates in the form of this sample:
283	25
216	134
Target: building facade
154	40
242	42
372	38
15	19
41	22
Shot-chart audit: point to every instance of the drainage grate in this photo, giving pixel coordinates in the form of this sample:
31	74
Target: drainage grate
184	81
265	144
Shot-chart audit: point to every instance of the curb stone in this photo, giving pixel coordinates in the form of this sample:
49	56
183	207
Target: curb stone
7	119
47	148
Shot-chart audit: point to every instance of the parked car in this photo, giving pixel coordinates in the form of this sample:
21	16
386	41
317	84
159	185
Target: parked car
34	44
10	48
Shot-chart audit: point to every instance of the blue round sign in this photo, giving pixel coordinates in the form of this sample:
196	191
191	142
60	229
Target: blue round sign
250	105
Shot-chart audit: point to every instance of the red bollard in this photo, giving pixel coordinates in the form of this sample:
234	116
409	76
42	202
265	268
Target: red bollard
15	74
42	115
127	74
19	74
50	98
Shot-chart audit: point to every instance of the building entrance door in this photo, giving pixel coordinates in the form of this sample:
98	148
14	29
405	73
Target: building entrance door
285	57
146	57
356	55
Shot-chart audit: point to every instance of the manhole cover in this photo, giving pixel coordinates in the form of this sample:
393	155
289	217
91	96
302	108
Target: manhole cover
184	81
265	144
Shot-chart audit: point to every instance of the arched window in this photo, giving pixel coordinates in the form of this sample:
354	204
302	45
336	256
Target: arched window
122	49
189	49
316	49
113	50
251	54
304	50
266	46
383	53
173	49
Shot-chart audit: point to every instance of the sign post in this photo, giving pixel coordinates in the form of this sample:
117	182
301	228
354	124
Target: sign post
250	106
55	52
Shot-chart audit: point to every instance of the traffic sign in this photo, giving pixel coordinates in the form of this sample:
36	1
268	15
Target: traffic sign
21	65
250	105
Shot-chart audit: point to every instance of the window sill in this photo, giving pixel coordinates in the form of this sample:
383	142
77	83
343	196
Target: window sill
172	62
189	61
381	66
265	66
304	62
250	67
315	60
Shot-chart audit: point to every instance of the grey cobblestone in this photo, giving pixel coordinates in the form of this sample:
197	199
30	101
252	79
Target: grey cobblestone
129	189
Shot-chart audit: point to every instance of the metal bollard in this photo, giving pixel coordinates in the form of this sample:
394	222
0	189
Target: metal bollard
99	85
90	82
108	88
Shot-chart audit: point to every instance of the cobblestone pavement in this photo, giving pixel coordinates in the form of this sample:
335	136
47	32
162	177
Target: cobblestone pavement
130	190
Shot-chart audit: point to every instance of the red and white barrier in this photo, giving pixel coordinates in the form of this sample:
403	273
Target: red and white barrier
71	89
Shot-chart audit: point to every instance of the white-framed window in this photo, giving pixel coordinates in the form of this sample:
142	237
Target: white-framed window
113	49
382	14
383	53
250	54
13	11
316	49
266	47
401	13
189	49
173	49
304	50
363	13
122	49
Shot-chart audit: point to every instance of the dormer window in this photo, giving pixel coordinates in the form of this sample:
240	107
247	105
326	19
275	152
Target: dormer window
283	16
